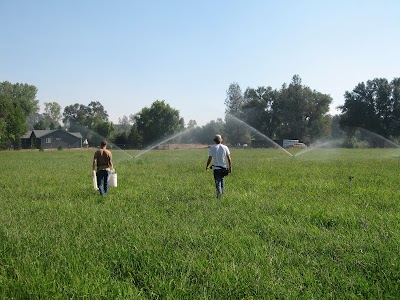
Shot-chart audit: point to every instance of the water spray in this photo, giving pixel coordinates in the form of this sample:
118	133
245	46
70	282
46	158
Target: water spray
160	143
259	133
112	146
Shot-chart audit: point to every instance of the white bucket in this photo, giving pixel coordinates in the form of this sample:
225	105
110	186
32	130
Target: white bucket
112	180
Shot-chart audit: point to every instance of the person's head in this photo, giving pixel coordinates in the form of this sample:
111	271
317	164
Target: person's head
218	139
103	144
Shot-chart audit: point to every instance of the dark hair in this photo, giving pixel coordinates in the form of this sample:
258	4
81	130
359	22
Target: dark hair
103	143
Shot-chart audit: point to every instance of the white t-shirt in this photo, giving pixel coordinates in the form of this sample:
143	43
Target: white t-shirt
219	152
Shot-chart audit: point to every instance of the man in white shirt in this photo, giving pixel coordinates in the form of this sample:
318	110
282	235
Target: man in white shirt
220	155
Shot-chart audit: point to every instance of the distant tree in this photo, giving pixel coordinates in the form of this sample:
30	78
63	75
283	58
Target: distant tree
91	121
374	106
104	128
22	95
16	126
301	113
336	131
124	124
189	136
294	111
97	114
6	108
158	122
76	117
134	138
191	124
234	102
40	125
259	110
17	103
207	132
121	140
33	119
132	118
52	114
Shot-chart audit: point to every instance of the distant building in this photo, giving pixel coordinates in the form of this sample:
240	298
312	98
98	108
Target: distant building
293	144
48	139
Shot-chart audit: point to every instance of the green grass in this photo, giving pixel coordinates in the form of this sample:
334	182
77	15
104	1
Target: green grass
287	228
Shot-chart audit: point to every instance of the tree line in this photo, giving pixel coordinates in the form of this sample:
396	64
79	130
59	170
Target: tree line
294	111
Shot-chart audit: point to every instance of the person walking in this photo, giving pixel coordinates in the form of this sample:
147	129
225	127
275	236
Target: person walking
220	155
102	165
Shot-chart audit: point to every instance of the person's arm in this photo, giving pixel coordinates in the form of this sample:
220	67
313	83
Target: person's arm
208	162
95	161
228	157
111	162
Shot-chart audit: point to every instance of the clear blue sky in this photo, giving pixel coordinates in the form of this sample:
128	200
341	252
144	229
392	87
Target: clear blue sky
127	54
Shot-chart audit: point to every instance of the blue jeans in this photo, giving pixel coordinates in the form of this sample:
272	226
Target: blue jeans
102	181
219	182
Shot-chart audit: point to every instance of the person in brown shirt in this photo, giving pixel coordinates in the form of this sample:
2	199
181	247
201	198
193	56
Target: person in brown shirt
102	165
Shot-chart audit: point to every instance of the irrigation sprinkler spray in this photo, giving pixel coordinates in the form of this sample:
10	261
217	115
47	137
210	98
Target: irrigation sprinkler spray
259	133
99	137
162	142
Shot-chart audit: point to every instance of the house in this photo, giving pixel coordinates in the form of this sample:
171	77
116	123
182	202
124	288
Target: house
48	139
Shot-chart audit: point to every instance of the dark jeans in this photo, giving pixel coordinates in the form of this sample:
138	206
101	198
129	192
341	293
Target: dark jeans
102	181
219	182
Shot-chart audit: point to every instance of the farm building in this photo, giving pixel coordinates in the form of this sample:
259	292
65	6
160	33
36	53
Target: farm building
293	143
48	139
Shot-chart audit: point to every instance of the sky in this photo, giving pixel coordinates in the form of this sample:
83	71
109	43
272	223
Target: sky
128	54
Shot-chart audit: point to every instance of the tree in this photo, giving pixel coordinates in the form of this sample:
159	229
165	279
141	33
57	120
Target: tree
17	103
294	111
104	129
121	140
52	114
373	106
41	125
207	132
134	138
259	110
16	126
124	124
234	100
301	113
192	124
76	116
22	95
158	122
189	136
81	115
6	108
235	131
96	114
336	132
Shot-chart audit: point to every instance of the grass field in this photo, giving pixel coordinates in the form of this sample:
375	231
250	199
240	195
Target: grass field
321	225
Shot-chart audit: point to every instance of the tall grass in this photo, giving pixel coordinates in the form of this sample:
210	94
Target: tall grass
320	225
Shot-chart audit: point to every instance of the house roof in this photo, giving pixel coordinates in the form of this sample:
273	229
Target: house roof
27	135
77	134
41	133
